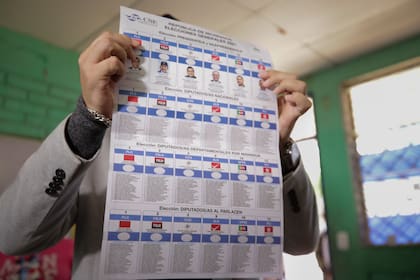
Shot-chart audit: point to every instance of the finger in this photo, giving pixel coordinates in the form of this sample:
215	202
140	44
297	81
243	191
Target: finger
298	100
119	52
270	73
288	85
111	67
128	44
272	77
280	103
105	46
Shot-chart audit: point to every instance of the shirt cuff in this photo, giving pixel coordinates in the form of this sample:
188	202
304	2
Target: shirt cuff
83	132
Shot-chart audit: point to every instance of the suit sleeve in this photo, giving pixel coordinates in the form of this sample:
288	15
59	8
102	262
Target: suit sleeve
33	215
301	229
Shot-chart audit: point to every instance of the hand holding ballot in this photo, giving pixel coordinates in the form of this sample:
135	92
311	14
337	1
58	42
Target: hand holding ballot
102	65
291	97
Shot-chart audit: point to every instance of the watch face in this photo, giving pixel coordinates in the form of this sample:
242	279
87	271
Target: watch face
295	154
290	157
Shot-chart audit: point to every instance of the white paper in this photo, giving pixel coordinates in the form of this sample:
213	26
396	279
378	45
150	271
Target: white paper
194	186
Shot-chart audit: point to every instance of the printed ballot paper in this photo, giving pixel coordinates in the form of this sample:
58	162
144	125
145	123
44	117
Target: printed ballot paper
194	183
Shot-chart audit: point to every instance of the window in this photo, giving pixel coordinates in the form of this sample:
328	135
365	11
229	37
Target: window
384	131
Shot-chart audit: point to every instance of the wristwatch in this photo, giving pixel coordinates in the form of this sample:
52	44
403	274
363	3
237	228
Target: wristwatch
289	156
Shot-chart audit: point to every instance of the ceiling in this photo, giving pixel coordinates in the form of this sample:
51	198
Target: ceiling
301	35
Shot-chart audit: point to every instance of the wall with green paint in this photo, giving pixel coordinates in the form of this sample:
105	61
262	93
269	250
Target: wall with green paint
39	85
359	262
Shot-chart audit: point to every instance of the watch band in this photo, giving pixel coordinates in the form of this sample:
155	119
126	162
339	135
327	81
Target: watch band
289	156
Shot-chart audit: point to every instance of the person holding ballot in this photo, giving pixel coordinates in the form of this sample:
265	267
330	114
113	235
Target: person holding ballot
64	182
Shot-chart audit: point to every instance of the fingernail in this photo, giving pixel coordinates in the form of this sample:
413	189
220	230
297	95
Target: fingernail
136	43
262	72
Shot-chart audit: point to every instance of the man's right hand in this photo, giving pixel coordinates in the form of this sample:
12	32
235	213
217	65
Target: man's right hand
101	65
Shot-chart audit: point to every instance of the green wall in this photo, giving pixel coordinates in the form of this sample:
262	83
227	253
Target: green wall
39	85
358	262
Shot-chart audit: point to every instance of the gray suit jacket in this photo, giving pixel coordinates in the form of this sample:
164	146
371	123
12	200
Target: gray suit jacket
32	220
